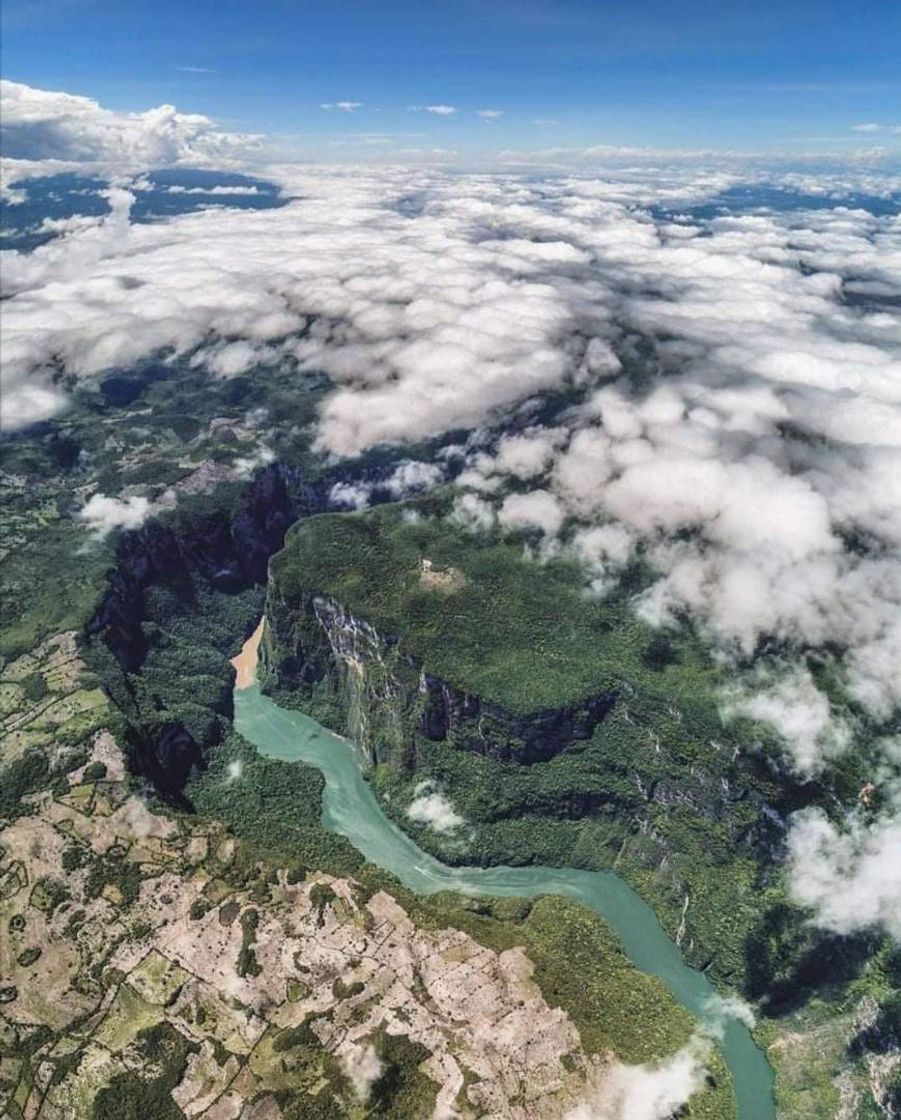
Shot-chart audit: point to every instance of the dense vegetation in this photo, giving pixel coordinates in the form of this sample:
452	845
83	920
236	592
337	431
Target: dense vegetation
30	773
659	791
580	965
145	430
523	635
690	811
161	1053
275	806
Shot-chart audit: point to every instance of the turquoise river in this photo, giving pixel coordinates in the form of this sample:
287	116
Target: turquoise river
351	809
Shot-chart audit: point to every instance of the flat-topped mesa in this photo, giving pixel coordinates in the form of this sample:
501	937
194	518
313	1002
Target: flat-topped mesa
386	645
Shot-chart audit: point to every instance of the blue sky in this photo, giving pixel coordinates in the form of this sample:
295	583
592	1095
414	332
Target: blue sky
796	75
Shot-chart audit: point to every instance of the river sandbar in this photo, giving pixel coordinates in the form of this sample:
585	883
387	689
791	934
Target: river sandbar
245	662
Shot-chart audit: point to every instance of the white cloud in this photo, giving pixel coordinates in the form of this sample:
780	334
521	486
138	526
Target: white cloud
441	110
489	114
604	550
648	1092
473	513
412	477
658	1091
527	455
245	465
363	1066
50	125
536	510
871	126
177	188
851	879
233	359
350	495
102	514
342	106
498	289
800	713
719	1010
430	807
736	381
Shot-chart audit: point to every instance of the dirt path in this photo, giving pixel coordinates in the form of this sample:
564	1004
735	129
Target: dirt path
246	662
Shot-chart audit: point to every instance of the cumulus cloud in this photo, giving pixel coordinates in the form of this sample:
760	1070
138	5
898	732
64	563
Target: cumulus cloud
350	495
605	551
408	478
851	878
39	125
767	429
473	513
659	1091
800	713
719	1010
363	1067
244	466
102	514
413	477
538	509
430	807
177	188
138	818
525	456
648	1092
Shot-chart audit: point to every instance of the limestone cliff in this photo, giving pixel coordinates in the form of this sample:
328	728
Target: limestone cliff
360	682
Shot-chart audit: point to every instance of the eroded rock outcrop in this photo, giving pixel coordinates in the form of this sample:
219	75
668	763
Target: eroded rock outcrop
360	682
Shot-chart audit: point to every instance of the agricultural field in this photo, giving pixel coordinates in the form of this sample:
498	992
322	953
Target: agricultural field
159	965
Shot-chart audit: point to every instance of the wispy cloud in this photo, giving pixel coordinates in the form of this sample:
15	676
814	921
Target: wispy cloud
342	106
545	122
196	70
438	110
872	126
368	139
489	114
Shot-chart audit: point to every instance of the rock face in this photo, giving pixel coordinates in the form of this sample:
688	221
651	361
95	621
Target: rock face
230	552
227	548
338	667
360	682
